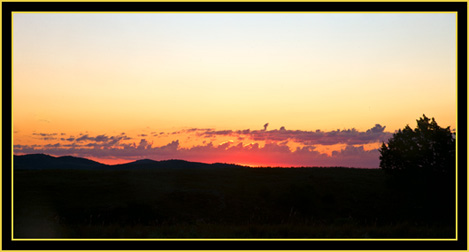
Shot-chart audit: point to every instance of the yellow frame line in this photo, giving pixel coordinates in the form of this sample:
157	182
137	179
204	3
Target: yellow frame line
307	1
227	239
235	12
457	134
12	139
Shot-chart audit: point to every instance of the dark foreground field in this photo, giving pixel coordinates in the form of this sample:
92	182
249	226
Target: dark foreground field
225	202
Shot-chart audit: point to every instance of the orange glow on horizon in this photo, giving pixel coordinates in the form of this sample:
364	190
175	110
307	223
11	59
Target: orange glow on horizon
249	162
109	161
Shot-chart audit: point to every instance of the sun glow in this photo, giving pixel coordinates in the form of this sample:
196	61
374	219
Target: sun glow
111	161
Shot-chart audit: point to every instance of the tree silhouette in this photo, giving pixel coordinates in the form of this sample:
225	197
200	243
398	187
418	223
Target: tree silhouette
422	165
428	150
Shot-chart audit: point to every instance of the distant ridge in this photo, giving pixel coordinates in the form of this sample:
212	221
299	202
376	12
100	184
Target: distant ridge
44	161
47	162
142	161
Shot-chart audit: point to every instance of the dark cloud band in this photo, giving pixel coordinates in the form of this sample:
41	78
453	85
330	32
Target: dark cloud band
269	154
349	136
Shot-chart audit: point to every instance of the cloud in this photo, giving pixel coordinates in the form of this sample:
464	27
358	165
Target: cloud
112	140
52	145
144	144
83	138
211	133
348	136
46	136
377	129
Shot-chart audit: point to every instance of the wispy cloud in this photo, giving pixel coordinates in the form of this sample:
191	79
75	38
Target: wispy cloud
112	140
45	136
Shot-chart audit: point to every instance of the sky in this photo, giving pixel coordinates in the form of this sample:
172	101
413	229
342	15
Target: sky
277	89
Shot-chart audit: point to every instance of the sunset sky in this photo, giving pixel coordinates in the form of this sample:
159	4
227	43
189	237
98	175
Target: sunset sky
280	89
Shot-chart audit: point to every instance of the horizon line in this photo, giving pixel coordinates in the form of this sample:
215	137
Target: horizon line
175	159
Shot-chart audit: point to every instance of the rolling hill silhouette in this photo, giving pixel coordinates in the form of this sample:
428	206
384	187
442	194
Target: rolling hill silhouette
47	162
43	161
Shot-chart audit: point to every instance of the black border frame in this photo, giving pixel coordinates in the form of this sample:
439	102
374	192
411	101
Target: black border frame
459	7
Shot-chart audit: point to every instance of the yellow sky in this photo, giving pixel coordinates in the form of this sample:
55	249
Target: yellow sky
136	73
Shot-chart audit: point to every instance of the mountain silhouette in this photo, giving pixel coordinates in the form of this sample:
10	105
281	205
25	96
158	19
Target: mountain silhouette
43	161
47	162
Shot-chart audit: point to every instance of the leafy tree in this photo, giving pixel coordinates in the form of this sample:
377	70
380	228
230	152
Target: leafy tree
428	150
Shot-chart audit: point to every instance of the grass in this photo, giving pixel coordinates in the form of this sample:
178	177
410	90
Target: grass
226	203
